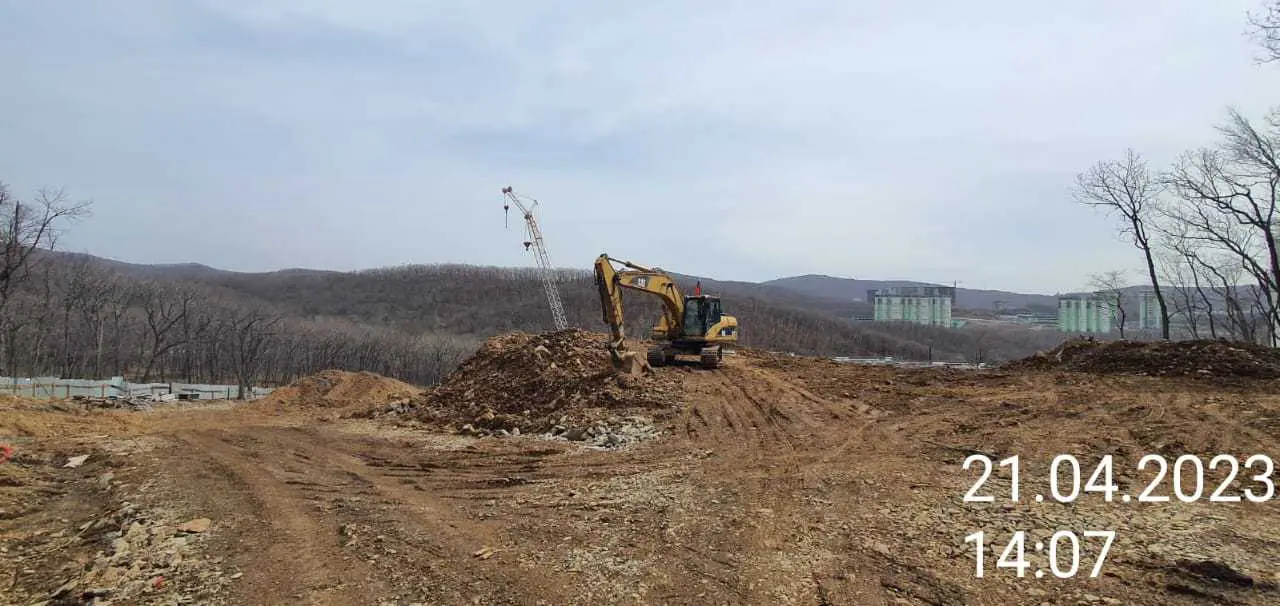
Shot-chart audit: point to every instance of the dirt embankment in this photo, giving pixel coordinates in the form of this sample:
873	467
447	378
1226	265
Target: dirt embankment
777	480
1200	358
336	389
534	383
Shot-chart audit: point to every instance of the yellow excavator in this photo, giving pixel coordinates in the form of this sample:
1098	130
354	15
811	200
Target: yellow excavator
690	324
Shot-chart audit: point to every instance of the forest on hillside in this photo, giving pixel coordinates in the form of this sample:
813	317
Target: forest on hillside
76	315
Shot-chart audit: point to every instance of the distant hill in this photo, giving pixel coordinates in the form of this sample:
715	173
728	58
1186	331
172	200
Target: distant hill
475	302
849	289
171	271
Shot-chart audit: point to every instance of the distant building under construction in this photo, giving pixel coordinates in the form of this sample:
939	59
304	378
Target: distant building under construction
1148	310
1085	313
928	305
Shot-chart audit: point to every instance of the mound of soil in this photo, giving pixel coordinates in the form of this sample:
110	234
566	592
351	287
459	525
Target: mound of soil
339	389
1201	358
534	382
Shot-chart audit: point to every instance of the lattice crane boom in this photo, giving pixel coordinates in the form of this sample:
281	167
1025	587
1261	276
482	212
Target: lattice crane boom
533	240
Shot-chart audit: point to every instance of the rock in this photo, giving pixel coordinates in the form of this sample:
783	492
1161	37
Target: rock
1218	571
75	462
64	589
197	525
576	434
136	533
96	592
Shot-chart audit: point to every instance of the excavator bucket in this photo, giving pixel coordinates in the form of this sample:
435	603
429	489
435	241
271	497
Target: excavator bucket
628	362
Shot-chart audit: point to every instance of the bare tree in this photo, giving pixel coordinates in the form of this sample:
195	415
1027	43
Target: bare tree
1185	301
1125	187
25	228
166	308
120	297
80	286
94	313
250	330
1190	264
1229	199
1264	27
1111	286
29	227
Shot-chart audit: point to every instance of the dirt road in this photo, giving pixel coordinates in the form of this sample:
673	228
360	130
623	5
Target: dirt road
777	481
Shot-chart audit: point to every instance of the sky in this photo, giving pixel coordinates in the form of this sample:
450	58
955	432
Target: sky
928	140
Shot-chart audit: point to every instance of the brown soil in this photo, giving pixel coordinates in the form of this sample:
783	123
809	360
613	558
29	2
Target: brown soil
338	389
534	382
1203	358
779	481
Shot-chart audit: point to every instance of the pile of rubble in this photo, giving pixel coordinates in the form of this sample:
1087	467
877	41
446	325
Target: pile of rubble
339	389
125	553
558	384
139	554
610	432
1200	358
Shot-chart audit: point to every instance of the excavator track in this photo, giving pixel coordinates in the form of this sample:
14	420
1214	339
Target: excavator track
656	357
711	356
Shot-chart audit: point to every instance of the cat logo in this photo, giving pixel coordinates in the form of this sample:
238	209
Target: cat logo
642	281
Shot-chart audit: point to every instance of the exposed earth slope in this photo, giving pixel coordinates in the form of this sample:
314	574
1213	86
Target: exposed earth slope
775	480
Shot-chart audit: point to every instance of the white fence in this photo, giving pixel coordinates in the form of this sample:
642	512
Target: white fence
118	388
889	361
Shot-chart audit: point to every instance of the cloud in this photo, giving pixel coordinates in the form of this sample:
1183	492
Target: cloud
738	140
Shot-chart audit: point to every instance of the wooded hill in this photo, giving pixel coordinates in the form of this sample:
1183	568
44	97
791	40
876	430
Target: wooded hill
83	316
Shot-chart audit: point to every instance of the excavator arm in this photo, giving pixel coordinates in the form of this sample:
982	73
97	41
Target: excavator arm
610	281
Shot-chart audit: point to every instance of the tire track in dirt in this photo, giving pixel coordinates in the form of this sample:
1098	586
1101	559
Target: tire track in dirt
333	519
775	443
281	545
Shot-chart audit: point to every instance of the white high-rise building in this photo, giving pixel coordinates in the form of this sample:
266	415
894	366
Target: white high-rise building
1148	310
1085	313
929	305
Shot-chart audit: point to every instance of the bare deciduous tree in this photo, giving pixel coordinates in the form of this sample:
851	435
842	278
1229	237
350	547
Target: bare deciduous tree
1125	187
25	228
1111	286
28	227
1229	200
1264	26
167	308
250	330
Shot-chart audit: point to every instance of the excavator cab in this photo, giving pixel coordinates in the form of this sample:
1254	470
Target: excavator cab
701	312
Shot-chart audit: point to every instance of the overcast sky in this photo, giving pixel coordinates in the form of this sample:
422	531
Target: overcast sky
926	140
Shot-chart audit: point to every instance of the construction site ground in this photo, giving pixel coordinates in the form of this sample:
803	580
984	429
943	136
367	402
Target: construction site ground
772	480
